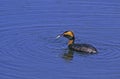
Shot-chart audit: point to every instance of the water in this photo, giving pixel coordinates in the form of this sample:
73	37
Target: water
29	50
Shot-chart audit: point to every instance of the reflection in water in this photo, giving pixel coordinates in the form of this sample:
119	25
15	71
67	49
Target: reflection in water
68	55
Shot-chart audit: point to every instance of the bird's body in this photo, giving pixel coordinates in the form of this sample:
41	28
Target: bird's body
87	48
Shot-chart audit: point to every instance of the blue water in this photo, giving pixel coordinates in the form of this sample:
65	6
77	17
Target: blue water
29	50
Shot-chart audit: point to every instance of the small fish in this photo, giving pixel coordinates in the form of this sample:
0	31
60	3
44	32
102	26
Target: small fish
58	36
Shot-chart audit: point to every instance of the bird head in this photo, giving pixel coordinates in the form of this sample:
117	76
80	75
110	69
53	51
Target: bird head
67	34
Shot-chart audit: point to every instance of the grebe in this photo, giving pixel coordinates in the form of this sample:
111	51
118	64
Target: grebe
87	48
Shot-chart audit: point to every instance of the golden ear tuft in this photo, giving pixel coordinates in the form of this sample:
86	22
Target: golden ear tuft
69	33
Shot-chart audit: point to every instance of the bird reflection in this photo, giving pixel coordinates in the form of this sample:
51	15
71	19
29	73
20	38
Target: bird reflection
68	55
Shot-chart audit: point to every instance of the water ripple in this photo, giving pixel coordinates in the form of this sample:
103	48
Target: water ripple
29	50
107	52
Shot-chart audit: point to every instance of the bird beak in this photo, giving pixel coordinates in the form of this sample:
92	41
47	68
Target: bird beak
60	35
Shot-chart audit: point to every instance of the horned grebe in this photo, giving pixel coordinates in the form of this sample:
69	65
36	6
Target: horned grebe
87	48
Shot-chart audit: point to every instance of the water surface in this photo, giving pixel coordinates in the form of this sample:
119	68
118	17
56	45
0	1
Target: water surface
29	50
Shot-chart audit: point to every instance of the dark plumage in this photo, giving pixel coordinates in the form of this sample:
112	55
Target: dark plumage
87	48
83	48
